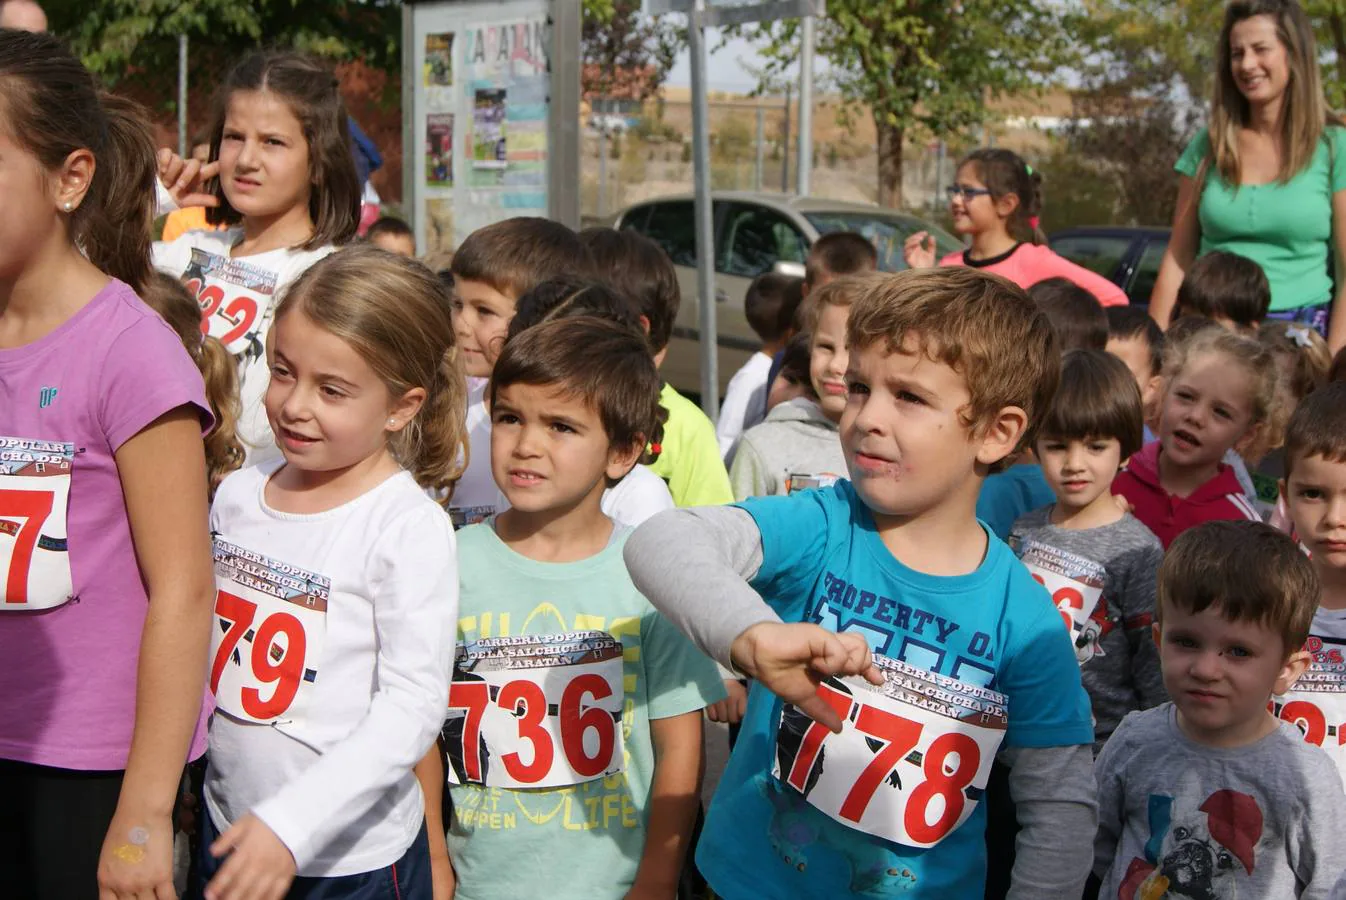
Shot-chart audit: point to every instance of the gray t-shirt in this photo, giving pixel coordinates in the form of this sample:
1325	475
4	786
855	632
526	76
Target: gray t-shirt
1118	564
1178	819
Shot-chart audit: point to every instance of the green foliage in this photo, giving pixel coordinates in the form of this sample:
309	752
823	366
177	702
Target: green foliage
625	54
1079	190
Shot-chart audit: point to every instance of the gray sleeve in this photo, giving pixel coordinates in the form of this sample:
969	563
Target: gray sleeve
748	476
1054	795
693	565
1138	601
1108	779
1318	846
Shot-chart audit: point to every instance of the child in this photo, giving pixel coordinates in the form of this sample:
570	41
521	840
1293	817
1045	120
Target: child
1075	314
770	307
792	379
798	446
495	266
1209	796
392	235
950	371
1218	395
224	451
603	810
1302	361
1231	289
689	460
1137	340
1314	492
1098	562
996	200
105	553
283	181
310	781
191	218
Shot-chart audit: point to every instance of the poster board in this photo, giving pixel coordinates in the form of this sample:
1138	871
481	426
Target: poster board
487	86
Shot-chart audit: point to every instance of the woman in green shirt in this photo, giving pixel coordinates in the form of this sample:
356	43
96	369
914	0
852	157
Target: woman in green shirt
1267	179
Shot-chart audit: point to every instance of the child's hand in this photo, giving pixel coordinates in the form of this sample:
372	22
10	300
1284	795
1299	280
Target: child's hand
919	250
258	867
790	660
640	891
137	858
730	710
185	179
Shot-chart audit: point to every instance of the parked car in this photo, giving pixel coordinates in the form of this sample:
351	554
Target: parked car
1127	256
755	233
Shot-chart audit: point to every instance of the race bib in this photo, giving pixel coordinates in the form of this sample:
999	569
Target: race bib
235	298
536	711
34	502
1317	706
911	761
463	516
270	623
802	482
1075	583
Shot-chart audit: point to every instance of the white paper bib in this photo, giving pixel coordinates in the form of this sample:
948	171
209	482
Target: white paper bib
34	508
235	298
1075	583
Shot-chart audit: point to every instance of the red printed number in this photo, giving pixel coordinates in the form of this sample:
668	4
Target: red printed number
1309	719
1065	597
33	507
241	311
525	701
900	737
286	673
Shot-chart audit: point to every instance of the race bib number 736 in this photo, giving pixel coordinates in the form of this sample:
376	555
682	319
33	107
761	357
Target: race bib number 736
34	501
911	761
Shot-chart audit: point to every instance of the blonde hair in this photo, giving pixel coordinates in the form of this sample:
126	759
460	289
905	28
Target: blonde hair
173	302
394	312
1305	112
1255	360
982	326
842	290
1307	349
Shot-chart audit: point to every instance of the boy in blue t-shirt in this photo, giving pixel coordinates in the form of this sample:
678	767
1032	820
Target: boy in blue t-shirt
890	577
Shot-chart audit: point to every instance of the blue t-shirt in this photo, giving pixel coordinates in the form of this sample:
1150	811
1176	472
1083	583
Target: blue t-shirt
823	562
1007	495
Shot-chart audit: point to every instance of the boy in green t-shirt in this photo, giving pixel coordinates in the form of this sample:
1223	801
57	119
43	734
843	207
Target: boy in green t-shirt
573	733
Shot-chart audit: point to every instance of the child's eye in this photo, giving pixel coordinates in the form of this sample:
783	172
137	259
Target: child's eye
277	142
484	312
1098	447
1184	642
1223	413
858	388
334	393
562	427
1309	493
505	418
1239	652
279	371
909	397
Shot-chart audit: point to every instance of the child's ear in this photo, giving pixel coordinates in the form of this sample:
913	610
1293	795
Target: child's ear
404	409
621	460
1156	634
1000	437
1006	204
1294	666
1249	438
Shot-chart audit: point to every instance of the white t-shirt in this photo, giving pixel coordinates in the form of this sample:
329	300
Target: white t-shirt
636	497
238	298
331	772
744	401
476	495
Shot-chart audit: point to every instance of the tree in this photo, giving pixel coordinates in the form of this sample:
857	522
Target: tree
625	55
927	65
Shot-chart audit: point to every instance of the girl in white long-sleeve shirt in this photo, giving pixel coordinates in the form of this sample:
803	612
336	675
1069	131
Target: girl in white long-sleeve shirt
337	593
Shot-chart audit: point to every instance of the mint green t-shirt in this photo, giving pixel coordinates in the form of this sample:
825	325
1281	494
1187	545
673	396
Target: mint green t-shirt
1284	228
585	841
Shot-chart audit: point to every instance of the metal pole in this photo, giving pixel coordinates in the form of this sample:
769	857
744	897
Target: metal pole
182	95
705	269
602	159
939	173
761	150
804	163
785	146
565	132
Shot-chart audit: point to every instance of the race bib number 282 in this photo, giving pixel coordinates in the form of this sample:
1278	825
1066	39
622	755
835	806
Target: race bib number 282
34	503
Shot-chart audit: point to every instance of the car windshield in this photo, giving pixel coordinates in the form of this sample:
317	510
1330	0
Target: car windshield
887	232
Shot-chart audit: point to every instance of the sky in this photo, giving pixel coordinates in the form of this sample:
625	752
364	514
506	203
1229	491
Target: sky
723	71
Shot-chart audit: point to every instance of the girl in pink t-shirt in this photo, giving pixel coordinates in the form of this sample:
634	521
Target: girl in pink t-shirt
995	200
104	547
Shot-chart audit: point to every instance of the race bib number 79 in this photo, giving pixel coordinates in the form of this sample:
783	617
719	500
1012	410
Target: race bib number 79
34	501
911	761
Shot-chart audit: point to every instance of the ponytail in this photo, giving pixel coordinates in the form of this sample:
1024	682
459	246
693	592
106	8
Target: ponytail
224	448
1005	172
654	443
433	447
117	215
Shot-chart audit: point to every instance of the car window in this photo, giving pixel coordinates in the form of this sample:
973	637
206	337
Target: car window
673	227
886	233
756	238
1147	272
1098	253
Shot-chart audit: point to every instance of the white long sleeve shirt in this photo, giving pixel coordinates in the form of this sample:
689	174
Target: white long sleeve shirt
744	402
331	773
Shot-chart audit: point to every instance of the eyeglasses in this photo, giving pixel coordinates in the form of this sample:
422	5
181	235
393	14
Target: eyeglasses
967	193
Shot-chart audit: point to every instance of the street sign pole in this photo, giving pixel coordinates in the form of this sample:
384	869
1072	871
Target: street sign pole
703	213
804	165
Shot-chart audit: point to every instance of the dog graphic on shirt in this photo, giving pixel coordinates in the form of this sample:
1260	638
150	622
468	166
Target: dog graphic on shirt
1196	851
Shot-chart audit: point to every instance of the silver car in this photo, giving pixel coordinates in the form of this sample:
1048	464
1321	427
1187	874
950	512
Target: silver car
755	233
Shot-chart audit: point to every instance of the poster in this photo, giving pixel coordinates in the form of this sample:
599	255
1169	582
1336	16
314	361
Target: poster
488	130
439	60
439	150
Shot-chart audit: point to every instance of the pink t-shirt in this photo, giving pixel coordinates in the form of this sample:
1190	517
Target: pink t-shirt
68	673
1027	264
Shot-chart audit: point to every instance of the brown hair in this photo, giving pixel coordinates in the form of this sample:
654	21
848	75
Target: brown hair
170	298
1127	322
310	91
794	364
393	312
1004	172
1305	348
52	108
1098	398
1304	113
557	298
604	363
839	253
981	325
1248	571
843	291
770	305
1223	285
516	255
639	268
1254	358
1075	313
1337	371
1318	427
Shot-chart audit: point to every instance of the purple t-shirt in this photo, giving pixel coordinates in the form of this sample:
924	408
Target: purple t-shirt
68	673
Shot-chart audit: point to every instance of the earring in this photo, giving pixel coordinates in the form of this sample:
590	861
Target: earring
392	422
68	206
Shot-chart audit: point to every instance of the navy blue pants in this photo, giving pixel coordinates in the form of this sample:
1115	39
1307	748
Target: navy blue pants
406	879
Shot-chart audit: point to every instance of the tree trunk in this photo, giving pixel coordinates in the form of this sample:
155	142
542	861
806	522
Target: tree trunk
890	163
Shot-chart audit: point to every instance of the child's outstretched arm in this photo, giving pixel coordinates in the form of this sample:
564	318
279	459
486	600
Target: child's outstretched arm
693	565
675	795
1055	798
